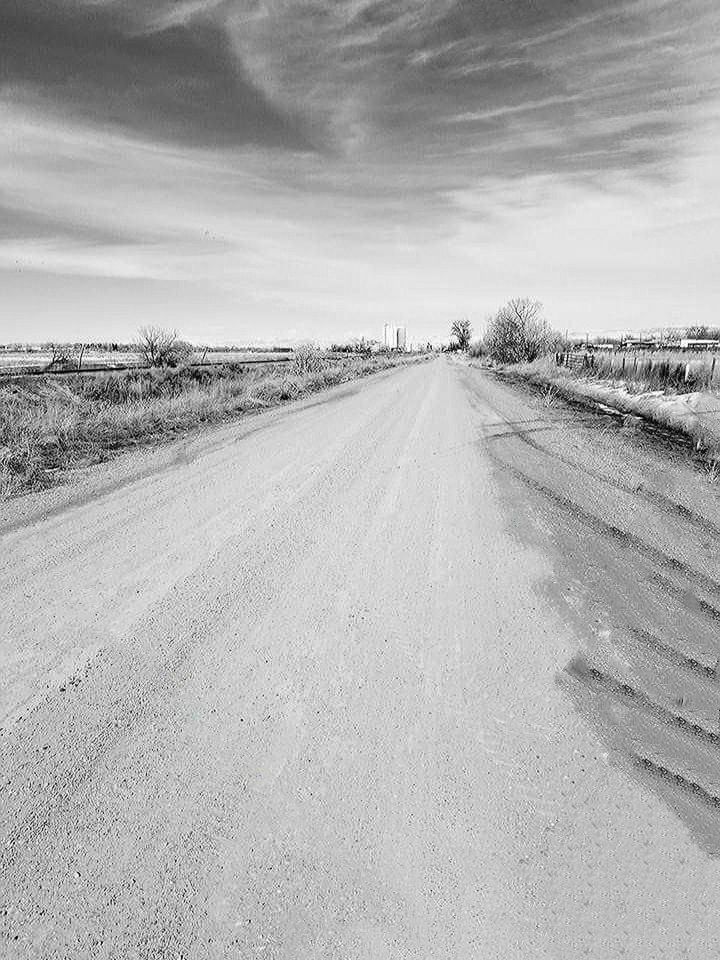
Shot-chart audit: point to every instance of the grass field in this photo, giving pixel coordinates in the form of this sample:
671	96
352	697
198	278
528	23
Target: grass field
12	361
50	424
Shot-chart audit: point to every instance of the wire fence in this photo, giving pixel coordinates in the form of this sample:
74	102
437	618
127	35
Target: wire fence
654	370
9	371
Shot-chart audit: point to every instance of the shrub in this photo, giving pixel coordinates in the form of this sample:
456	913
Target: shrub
307	359
461	331
518	333
163	348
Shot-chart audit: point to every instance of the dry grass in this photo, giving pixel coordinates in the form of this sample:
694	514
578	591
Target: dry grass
658	370
49	425
696	414
38	360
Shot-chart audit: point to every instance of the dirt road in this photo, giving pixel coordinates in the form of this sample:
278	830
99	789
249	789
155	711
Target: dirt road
420	668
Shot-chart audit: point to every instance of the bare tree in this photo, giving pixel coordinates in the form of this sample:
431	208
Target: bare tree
55	354
701	332
518	333
60	357
162	348
462	331
307	358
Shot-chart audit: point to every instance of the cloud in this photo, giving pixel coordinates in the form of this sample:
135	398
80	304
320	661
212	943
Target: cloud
24	224
69	258
383	80
368	81
313	162
172	76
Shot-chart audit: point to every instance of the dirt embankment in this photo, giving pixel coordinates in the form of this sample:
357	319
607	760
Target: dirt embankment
695	415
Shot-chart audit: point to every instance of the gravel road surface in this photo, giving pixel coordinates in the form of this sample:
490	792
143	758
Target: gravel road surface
423	667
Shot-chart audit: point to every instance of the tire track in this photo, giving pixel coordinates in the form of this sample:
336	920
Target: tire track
622	538
673	656
632	696
654	498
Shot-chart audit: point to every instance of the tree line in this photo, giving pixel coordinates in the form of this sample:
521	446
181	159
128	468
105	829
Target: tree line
517	333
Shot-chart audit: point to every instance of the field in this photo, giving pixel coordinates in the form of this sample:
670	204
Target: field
49	424
18	361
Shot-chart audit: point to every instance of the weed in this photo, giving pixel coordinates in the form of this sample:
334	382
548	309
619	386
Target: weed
47	425
549	395
695	414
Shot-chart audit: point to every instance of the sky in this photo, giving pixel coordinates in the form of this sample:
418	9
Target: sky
272	170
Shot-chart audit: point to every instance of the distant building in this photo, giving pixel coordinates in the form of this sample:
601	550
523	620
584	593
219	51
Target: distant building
688	343
401	338
389	336
639	344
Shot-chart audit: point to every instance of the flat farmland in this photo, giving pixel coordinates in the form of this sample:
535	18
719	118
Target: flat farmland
20	361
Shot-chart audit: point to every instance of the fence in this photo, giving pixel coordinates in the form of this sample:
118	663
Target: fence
575	360
8	372
652	369
71	367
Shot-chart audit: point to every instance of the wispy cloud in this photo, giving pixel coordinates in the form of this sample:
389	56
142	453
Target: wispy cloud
529	106
354	159
172	74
